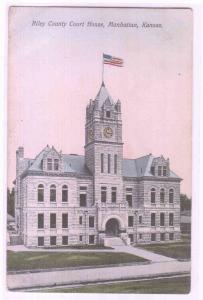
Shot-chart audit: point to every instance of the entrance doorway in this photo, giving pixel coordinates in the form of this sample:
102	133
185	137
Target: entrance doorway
112	227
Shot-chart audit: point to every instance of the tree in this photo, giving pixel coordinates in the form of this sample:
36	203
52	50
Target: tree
11	202
185	202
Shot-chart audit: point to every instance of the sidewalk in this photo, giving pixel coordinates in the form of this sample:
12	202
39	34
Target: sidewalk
153	257
95	275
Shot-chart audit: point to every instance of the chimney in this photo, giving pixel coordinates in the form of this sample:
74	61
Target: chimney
20	152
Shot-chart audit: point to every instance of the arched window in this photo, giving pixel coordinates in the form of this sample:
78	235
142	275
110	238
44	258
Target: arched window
153	195
162	195
64	193
40	193
53	193
171	195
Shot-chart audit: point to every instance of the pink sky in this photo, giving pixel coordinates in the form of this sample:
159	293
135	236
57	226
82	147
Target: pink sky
54	71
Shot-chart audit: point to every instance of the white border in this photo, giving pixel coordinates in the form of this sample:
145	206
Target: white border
197	218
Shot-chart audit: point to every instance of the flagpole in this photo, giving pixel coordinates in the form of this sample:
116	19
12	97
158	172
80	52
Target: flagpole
102	68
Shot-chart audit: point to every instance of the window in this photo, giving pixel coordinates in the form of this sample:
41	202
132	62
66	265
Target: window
152	170
115	163
53	193
52	220
40	221
113	194
80	238
171	196
171	236
40	193
80	220
83	200
140	219
162	236
153	237
40	241
109	163
159	170
102	162
64	193
130	221
64	220
91	239
171	217
83	188
140	236
53	240
153	195
153	219
129	200
56	164
162	219
65	240
91	221
103	194
131	238
108	114
129	189
49	164
162	195
164	171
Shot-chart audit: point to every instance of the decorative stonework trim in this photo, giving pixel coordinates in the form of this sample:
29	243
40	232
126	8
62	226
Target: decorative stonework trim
52	174
103	142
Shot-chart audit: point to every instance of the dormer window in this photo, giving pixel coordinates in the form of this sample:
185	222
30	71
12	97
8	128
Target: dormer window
164	171
159	170
108	114
152	170
56	164
49	164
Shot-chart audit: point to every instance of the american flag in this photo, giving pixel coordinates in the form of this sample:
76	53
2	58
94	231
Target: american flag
111	60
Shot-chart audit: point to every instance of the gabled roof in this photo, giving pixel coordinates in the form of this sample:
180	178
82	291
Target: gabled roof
36	163
103	96
71	163
75	164
140	167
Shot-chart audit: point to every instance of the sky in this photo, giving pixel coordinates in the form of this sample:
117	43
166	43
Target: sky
53	71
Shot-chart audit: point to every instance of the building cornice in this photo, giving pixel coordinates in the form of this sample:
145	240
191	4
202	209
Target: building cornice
103	142
149	178
54	174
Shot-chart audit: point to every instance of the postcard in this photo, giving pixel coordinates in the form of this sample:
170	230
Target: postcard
99	150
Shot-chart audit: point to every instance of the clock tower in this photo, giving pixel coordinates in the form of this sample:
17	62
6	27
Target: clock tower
104	147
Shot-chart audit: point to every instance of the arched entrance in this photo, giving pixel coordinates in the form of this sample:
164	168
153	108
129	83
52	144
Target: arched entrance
112	227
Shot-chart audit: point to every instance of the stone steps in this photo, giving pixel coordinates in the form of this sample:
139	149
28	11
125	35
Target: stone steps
113	241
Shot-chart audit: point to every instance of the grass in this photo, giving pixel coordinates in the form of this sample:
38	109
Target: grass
178	250
83	247
30	260
176	285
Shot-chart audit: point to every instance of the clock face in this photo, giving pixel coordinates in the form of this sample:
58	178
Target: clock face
108	132
91	134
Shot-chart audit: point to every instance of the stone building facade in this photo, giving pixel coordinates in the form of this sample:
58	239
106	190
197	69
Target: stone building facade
72	199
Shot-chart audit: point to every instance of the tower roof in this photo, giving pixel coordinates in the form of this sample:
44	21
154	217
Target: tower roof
103	96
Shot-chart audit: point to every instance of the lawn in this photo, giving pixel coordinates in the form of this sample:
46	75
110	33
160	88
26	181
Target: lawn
179	250
31	260
80	247
176	285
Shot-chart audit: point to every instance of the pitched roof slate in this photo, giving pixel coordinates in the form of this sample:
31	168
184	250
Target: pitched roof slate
73	163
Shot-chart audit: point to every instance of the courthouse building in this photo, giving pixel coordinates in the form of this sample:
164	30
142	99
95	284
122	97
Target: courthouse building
99	197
